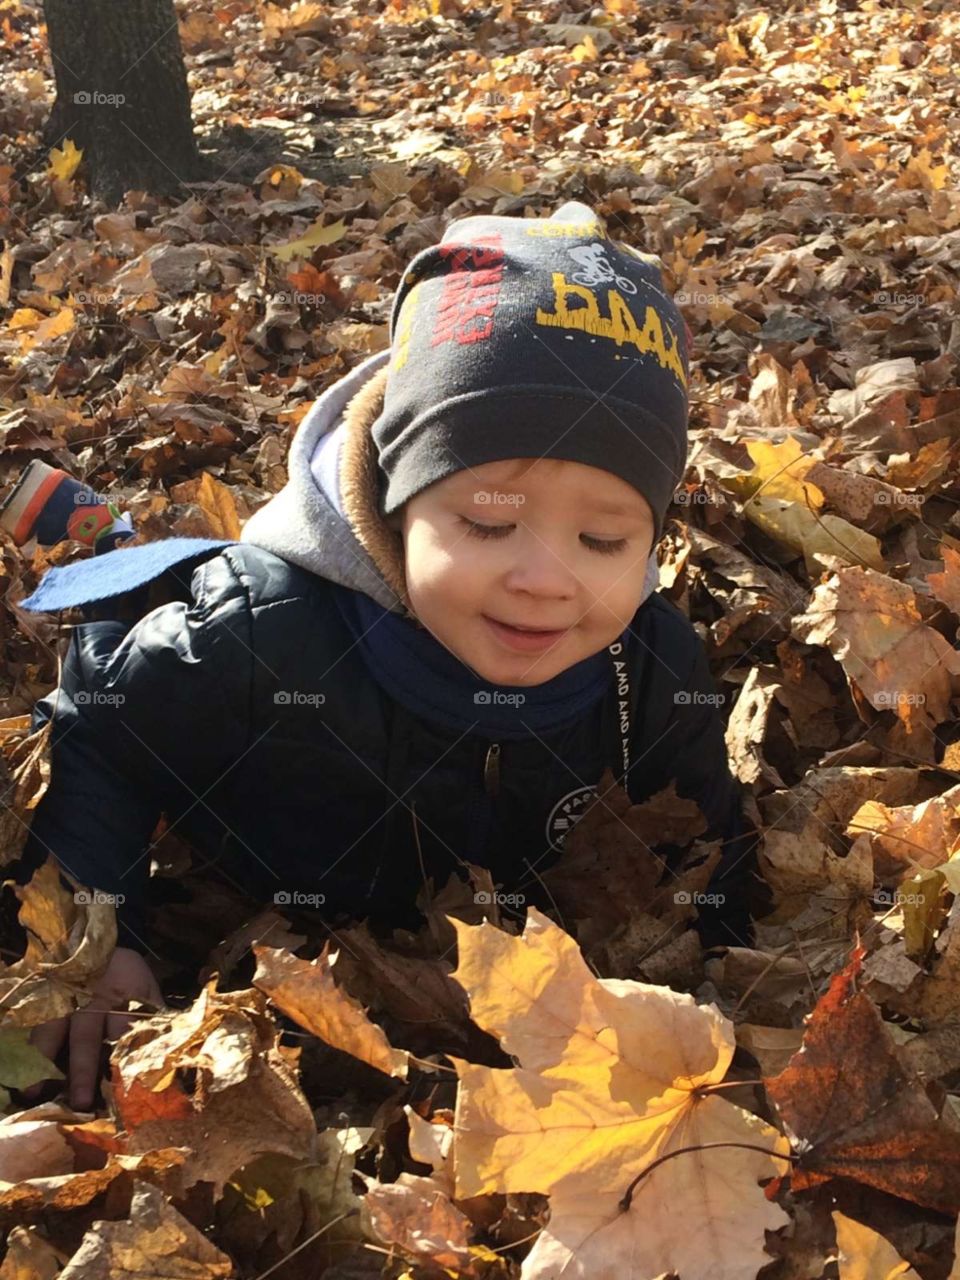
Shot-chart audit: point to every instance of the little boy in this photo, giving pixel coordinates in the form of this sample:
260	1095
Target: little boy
427	647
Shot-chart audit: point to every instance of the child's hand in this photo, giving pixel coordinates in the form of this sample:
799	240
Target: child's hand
126	977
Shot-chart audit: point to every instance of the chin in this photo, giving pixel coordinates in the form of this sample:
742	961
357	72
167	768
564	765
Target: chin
525	675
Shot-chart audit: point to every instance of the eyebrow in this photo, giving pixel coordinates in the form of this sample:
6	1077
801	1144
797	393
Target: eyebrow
616	509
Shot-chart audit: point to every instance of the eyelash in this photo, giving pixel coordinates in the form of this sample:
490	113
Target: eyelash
605	547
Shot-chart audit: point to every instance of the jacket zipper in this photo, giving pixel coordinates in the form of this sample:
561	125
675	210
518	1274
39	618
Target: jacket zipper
491	769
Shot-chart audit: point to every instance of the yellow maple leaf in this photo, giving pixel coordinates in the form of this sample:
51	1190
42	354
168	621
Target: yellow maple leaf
610	1079
786	506
312	239
780	469
64	161
798	527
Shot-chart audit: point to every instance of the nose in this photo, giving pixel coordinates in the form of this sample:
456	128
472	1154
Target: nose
540	570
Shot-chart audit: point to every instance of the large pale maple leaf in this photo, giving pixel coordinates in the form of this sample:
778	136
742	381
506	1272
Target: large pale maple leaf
612	1076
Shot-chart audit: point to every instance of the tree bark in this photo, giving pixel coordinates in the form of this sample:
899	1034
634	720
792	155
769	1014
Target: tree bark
122	95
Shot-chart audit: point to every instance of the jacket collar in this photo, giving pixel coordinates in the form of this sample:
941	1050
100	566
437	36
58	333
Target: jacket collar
359	487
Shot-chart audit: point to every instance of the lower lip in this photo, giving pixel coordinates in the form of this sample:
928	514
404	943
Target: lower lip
523	641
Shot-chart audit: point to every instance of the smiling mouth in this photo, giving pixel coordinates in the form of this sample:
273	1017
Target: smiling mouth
533	631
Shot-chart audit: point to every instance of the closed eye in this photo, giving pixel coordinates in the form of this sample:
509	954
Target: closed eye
604	546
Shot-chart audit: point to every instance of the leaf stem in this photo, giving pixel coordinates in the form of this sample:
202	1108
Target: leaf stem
624	1203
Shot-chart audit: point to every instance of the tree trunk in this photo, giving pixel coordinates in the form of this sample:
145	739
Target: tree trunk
122	95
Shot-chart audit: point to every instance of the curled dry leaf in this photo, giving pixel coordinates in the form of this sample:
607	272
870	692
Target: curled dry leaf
872	626
922	835
213	1078
68	945
747	728
610	1078
61	1193
305	991
416	1216
26	770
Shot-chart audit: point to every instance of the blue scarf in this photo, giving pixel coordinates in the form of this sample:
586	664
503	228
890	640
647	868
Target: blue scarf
417	671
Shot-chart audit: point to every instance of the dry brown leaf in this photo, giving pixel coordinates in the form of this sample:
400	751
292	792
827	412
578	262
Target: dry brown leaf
215	500
26	776
216	1068
415	1215
946	585
854	1112
156	1243
922	835
30	1257
68	945
306	991
608	870
873	628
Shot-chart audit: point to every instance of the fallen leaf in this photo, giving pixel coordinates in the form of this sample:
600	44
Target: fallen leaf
305	990
68	944
215	1068
611	1078
854	1112
873	628
863	1254
156	1242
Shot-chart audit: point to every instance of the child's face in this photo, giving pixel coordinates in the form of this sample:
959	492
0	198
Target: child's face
557	559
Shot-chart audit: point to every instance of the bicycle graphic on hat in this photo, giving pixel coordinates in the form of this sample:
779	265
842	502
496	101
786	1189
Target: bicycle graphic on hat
597	269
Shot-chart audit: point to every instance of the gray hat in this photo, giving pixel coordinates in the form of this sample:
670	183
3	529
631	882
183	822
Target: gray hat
534	337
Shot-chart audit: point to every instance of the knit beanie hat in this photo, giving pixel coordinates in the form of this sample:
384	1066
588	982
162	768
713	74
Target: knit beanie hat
534	337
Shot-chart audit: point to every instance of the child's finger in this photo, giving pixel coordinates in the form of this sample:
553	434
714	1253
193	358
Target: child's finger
48	1039
86	1039
119	1024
